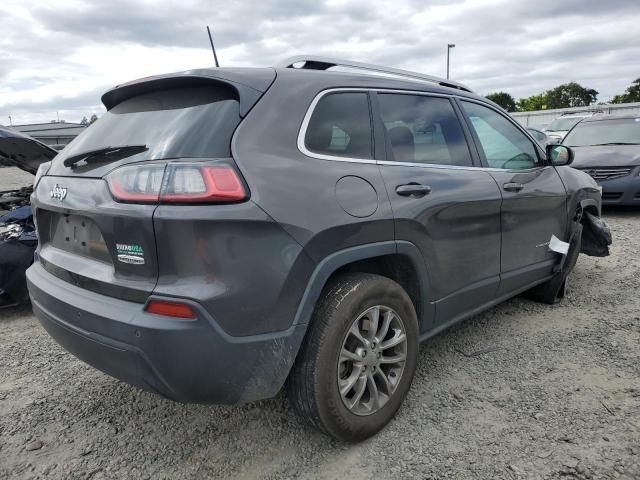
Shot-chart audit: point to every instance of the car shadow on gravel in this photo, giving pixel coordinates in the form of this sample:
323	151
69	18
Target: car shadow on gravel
16	312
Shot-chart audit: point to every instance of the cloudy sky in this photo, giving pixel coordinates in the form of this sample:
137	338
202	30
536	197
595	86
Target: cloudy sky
57	57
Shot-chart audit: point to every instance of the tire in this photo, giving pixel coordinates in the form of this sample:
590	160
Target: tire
313	388
555	289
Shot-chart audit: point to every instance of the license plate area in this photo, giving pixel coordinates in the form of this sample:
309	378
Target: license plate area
73	233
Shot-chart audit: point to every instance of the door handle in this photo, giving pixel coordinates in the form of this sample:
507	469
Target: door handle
512	187
413	190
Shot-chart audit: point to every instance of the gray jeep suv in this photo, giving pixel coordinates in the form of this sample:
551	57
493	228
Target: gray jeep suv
220	234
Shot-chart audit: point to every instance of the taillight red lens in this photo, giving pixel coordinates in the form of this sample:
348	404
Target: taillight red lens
177	183
171	309
193	184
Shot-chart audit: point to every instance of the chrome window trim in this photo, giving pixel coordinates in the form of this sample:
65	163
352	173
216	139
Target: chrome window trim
307	117
440	166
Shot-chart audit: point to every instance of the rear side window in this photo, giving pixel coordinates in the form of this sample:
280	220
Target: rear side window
340	126
423	129
186	122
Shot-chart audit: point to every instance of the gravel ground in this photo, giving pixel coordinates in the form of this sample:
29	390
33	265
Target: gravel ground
556	394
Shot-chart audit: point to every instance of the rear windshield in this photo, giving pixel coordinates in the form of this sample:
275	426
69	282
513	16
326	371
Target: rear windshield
620	131
173	123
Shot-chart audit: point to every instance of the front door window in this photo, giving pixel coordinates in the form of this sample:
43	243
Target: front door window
503	144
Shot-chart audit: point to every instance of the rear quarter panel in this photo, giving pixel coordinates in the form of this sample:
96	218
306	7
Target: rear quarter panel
299	192
233	259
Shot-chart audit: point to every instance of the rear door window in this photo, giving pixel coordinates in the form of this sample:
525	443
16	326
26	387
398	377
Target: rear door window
340	126
423	129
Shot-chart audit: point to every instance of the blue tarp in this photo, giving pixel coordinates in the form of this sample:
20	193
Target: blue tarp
15	257
19	214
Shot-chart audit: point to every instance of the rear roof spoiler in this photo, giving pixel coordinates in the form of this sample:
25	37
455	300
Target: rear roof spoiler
249	84
312	62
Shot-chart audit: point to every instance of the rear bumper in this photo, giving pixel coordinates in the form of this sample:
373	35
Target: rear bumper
189	361
622	191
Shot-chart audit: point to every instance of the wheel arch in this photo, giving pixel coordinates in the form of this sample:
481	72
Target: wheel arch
410	273
590	205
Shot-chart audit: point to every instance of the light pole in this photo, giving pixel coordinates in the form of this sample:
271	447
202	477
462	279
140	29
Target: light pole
449	47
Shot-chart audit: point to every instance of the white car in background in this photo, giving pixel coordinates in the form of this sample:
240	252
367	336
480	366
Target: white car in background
541	137
557	129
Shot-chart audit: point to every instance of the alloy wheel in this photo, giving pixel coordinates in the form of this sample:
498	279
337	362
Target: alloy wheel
372	360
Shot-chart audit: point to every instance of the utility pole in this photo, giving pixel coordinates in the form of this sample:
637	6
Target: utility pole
449	47
10	121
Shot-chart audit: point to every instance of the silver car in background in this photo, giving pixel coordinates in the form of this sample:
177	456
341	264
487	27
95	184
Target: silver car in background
541	137
558	129
607	147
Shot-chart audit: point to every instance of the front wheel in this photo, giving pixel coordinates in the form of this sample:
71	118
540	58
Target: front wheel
358	359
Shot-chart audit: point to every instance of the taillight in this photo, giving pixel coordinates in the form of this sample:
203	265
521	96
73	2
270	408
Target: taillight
137	183
212	183
177	183
171	309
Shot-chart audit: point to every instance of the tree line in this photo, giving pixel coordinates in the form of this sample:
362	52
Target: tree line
568	95
84	120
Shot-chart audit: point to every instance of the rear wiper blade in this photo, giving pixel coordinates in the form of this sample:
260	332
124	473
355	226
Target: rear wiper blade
111	153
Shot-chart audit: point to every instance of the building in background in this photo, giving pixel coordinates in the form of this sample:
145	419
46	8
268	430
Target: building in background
54	134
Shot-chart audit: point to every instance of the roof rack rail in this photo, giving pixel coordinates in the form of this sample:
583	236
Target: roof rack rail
312	62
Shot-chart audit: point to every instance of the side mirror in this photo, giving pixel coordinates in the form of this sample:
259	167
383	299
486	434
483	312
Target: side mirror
559	155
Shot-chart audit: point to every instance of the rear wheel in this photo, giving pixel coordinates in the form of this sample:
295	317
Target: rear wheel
358	358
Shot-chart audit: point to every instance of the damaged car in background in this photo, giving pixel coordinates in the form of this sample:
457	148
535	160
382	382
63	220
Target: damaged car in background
18	238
